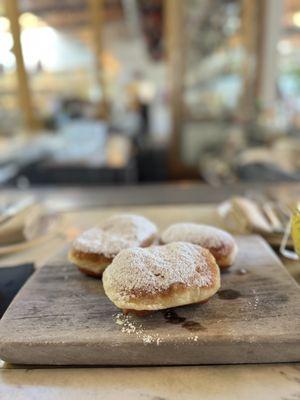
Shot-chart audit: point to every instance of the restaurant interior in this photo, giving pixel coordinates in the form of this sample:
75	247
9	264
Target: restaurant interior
182	116
128	92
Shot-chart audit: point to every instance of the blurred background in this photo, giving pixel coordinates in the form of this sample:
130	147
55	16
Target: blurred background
111	92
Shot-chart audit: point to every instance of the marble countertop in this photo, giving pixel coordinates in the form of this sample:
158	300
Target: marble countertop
247	382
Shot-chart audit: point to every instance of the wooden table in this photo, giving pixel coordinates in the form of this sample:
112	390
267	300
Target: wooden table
276	381
185	192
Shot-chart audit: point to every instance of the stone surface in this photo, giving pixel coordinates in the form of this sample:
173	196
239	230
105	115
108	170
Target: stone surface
62	317
246	382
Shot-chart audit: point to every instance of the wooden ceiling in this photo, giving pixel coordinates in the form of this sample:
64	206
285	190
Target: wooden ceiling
289	27
292	5
74	16
69	14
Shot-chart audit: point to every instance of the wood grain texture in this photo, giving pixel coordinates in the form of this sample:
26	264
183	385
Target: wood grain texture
62	317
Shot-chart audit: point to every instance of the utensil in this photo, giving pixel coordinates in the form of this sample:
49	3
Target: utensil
13	209
39	229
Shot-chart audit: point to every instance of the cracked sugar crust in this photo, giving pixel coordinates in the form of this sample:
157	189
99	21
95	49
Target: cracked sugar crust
203	235
137	272
115	234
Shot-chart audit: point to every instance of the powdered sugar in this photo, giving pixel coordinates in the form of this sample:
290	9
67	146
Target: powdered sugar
130	326
155	269
203	235
115	234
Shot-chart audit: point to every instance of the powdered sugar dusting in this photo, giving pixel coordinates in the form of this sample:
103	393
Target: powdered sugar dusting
115	234
153	270
203	235
131	327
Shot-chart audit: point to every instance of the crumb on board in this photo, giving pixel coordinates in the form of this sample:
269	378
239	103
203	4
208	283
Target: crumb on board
130	326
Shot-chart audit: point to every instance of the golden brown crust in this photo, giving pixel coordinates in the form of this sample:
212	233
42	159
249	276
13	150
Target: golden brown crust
138	313
94	264
88	266
91	273
225	258
144	313
90	257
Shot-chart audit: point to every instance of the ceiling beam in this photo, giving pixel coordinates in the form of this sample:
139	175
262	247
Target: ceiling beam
24	94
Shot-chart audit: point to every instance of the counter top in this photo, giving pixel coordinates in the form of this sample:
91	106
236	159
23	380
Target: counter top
247	382
66	198
276	381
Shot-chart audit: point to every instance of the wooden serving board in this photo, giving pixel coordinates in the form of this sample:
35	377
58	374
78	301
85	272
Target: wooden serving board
62	317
